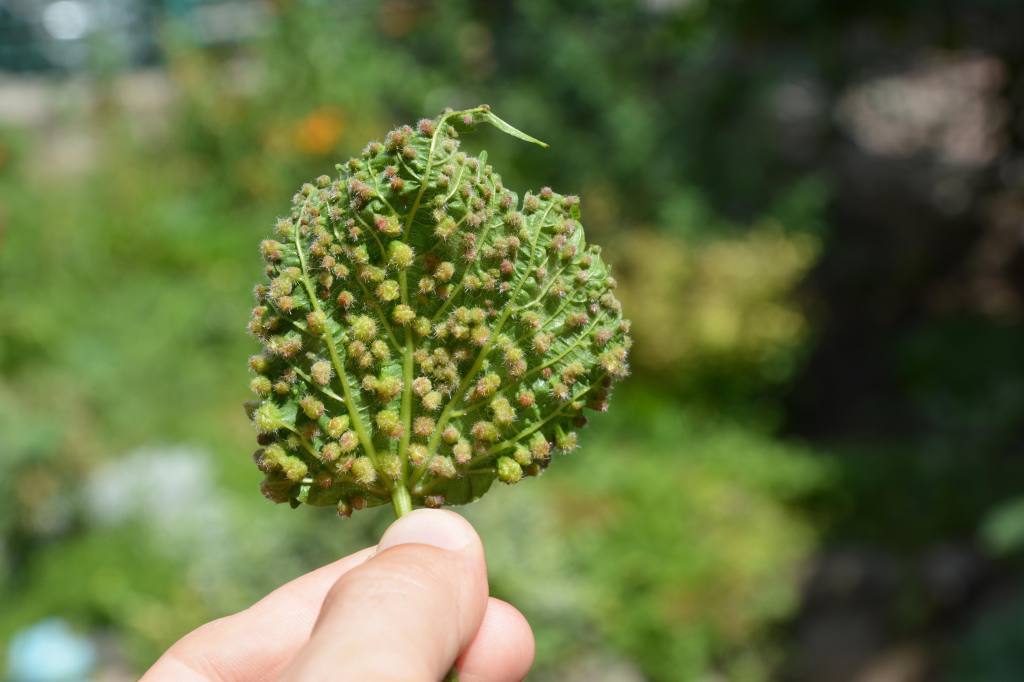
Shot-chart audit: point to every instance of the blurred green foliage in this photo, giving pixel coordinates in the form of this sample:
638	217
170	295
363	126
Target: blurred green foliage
671	545
148	265
991	648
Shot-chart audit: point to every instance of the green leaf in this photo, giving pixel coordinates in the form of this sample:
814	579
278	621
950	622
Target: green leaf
488	299
469	488
509	129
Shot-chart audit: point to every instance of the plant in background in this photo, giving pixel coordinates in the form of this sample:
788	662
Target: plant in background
425	330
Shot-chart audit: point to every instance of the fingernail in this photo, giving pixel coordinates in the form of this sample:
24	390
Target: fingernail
434	527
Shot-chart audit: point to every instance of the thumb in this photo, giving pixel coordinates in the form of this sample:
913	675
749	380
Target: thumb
405	614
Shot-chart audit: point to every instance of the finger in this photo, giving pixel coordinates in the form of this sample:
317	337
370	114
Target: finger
405	614
503	648
254	644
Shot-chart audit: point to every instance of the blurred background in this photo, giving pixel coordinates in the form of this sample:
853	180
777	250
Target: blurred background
815	211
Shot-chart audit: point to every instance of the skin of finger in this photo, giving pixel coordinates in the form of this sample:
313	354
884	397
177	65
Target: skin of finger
404	615
254	645
503	648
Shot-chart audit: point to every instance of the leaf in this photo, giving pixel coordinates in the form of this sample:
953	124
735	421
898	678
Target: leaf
509	129
469	488
412	297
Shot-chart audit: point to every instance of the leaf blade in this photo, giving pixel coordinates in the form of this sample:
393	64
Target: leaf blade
507	128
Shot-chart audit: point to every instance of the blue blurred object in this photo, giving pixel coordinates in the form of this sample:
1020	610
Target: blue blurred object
77	35
50	651
72	35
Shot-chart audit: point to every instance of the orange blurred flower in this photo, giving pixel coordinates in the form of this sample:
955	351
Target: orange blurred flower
319	131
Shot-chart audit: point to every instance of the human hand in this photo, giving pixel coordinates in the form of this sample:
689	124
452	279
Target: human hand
405	610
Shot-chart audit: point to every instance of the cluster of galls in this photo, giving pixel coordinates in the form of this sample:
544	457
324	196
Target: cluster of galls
425	330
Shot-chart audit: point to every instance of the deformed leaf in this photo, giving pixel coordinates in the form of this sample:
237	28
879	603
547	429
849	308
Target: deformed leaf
425	329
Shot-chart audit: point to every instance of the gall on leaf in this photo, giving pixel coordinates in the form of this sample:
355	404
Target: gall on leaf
426	330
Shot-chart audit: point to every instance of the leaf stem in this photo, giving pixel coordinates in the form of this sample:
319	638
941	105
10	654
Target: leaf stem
401	501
